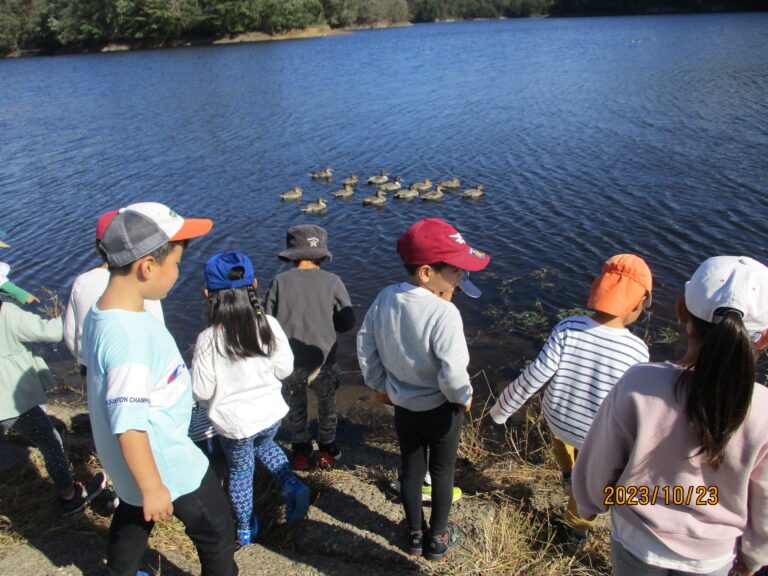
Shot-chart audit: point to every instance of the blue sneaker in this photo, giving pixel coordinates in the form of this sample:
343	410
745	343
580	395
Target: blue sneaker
296	497
248	536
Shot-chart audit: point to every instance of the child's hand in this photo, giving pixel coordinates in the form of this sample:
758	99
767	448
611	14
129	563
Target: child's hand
157	504
383	397
32	299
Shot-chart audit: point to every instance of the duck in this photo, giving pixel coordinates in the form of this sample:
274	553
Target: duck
318	206
377	199
327	173
425	186
410	192
380	179
433	194
345	192
450	184
474	192
352	180
393	186
292	194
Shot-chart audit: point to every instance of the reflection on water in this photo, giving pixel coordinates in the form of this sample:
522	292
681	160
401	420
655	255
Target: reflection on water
591	137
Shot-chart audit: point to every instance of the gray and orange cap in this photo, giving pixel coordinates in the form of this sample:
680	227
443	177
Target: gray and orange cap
140	229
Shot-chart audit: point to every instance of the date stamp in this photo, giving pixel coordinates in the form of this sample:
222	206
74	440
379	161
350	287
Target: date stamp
675	495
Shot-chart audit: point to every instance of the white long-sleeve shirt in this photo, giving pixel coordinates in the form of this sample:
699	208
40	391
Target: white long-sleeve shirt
243	397
582	360
412	346
86	289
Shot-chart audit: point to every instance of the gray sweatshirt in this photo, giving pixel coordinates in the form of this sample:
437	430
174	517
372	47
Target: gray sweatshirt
412	346
311	305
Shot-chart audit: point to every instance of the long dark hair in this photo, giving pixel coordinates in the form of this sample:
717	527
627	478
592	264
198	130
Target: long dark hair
719	385
245	331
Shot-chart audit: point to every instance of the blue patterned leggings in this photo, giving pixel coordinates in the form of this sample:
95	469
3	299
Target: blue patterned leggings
241	456
35	426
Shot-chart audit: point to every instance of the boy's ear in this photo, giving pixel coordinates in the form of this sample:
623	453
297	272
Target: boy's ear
205	292
255	283
424	273
145	266
681	310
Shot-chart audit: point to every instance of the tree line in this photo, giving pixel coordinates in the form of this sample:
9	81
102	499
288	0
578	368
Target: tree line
51	26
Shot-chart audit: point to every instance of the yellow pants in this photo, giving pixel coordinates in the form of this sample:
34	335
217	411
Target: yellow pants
565	455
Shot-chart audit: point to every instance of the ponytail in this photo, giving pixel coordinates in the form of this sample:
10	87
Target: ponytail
720	384
243	330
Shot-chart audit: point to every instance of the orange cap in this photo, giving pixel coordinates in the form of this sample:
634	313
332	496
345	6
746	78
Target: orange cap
623	281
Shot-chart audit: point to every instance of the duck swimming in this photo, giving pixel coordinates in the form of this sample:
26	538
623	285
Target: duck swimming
327	173
345	192
318	206
473	192
292	194
423	186
380	179
410	192
376	199
450	184
352	180
434	194
393	186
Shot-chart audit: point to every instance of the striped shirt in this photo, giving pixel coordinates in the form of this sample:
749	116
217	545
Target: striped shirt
582	360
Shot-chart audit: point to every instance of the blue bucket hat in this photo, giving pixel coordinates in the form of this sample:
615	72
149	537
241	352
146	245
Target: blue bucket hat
219	266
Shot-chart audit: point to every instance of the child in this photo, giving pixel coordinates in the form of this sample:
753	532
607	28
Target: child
86	289
239	360
412	348
311	305
140	397
24	378
680	449
581	361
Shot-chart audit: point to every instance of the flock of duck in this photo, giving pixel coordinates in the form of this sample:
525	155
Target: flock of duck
384	186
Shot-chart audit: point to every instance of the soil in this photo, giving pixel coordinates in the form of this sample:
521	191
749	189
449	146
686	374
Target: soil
355	521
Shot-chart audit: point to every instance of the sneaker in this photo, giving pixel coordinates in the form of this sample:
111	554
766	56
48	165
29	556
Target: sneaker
300	459
575	542
84	493
296	497
110	496
426	493
328	456
395	486
249	535
438	546
416	543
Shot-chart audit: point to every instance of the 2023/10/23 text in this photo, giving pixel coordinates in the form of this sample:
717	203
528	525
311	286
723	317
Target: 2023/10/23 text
644	495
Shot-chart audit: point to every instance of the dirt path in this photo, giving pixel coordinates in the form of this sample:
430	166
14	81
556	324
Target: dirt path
355	522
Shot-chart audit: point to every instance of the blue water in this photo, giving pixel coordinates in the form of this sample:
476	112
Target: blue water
592	136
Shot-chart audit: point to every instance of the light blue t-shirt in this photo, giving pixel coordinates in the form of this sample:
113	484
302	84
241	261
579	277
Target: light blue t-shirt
137	380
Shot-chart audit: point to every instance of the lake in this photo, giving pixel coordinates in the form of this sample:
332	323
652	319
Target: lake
592	136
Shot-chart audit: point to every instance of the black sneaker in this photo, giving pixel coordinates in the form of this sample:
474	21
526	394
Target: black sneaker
416	543
438	546
84	493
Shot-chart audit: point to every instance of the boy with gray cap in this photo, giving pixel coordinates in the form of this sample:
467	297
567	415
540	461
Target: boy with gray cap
140	397
311	305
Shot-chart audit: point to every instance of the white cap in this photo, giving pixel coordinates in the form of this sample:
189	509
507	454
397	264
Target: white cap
732	282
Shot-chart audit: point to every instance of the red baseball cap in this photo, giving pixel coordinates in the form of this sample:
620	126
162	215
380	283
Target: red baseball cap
432	240
104	220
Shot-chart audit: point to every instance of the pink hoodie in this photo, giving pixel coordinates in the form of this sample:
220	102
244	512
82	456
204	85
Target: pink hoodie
641	439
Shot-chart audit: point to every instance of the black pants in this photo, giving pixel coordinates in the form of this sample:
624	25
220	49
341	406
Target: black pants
437	430
208	521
